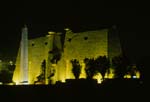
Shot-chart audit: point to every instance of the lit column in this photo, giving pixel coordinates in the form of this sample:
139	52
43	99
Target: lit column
24	56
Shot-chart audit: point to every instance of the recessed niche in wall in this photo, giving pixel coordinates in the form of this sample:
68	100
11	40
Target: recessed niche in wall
85	38
69	39
33	44
46	43
50	52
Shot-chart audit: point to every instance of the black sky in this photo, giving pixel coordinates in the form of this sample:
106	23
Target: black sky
131	19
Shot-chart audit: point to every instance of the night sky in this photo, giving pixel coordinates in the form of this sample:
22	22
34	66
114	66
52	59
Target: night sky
130	18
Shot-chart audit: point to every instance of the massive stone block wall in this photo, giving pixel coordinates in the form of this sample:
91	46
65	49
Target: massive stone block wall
90	44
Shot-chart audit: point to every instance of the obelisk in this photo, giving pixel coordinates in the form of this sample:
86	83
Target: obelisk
24	56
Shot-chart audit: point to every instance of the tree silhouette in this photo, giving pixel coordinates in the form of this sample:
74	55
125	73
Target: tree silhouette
51	74
41	77
120	64
56	53
5	76
143	66
76	68
90	68
102	65
132	69
11	67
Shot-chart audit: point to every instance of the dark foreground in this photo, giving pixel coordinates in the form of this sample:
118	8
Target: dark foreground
111	90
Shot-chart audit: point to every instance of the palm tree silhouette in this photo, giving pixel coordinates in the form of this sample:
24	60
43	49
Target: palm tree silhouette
120	64
76	68
102	65
90	68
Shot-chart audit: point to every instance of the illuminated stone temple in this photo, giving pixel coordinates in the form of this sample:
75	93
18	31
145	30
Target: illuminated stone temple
55	51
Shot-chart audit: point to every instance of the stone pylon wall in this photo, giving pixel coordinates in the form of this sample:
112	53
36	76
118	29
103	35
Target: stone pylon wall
90	44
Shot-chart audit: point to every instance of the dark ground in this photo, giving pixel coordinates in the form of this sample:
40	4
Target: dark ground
111	90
